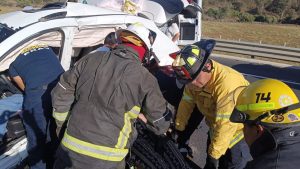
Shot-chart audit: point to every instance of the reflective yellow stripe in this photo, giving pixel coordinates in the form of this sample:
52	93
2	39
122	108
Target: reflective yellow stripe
243	107
223	116
187	97
126	130
92	150
60	116
261	106
256	106
236	138
191	60
196	51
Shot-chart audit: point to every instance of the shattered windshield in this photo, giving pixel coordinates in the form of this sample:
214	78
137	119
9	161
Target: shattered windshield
5	32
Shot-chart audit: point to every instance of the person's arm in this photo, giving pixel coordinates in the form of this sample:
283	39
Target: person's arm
19	82
155	107
176	33
176	37
63	94
224	133
16	77
185	110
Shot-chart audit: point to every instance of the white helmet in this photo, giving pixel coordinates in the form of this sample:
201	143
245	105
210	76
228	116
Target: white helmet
145	35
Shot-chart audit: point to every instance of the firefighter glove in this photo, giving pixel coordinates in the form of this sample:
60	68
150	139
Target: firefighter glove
211	163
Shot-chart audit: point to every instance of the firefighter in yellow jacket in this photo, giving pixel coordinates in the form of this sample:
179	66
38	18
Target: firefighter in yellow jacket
209	85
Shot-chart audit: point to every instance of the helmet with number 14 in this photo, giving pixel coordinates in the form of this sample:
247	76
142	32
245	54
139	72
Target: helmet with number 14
267	102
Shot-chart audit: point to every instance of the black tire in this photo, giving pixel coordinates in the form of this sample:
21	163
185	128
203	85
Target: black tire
145	156
150	151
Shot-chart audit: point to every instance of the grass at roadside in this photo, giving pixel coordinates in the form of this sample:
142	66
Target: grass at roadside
6	9
288	35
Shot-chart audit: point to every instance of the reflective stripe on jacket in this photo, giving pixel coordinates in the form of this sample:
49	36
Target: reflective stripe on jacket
107	91
216	101
92	150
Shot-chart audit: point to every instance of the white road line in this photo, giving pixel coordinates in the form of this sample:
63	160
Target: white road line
263	77
256	61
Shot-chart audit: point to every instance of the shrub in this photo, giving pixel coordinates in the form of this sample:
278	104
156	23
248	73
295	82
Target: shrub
245	17
260	18
211	12
297	21
220	13
271	19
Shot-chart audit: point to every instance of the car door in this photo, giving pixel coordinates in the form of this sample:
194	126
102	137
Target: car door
55	33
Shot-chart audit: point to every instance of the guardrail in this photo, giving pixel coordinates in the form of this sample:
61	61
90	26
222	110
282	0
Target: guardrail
261	50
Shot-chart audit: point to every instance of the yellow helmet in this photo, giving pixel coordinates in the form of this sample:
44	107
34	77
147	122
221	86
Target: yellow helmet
266	101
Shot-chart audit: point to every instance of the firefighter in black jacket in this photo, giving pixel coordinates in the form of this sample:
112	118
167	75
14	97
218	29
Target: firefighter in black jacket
271	126
101	97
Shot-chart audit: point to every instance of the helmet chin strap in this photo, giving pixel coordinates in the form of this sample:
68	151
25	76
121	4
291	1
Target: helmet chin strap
146	61
265	142
139	49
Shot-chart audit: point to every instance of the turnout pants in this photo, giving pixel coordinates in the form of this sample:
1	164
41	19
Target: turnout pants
67	159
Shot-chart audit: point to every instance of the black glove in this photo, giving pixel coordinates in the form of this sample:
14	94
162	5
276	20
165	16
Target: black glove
211	163
185	150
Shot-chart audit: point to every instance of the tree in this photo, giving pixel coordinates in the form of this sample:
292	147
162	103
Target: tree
261	4
237	6
279	7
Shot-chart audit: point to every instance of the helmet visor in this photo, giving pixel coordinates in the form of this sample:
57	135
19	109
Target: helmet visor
182	74
238	116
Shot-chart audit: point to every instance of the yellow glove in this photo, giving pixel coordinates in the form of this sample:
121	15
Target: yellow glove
179	126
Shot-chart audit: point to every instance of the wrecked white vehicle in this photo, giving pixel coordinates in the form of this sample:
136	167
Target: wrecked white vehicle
71	30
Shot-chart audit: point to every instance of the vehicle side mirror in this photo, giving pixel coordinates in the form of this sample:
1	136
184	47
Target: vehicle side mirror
191	11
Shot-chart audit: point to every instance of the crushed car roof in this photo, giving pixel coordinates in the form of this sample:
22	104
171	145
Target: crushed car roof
16	19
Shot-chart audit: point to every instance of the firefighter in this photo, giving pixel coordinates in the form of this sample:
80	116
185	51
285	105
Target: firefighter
207	86
271	126
102	96
36	71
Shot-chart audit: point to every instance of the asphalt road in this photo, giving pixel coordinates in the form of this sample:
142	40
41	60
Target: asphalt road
252	70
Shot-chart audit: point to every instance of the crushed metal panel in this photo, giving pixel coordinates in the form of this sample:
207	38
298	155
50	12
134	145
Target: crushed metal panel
91	37
52	39
159	11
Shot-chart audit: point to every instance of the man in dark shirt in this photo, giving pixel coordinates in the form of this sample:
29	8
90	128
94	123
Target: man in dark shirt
36	71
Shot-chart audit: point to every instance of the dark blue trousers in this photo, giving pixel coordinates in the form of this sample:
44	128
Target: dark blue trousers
235	158
36	118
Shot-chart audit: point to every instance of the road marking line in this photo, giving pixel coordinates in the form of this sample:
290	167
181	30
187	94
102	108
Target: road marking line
263	77
257	61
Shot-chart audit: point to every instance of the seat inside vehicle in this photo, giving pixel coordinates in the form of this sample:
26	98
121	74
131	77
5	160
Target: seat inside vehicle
15	133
